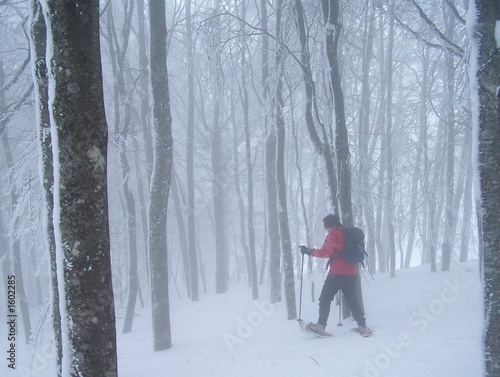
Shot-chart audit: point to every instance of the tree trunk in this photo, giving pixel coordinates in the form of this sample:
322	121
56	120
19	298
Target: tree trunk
39	47
322	144
379	224
144	86
486	57
80	136
420	173
449	124
389	210
270	172
193	258
331	15
122	130
250	213
366	202
179	215
160	180
286	244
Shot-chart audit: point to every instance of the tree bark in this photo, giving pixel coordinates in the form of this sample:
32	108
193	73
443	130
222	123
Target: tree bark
449	124
486	99
80	136
331	15
39	47
270	172
286	244
193	257
160	180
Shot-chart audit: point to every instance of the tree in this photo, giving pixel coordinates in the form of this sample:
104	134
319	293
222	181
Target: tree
219	175
123	106
486	102
191	229
320	138
270	169
449	120
79	144
286	244
160	180
331	16
39	47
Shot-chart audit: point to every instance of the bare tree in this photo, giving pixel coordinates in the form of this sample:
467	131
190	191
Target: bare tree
286	244
122	129
160	181
219	175
270	173
191	229
317	130
450	125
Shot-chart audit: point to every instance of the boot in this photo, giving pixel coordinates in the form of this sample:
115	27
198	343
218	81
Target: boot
363	331
316	327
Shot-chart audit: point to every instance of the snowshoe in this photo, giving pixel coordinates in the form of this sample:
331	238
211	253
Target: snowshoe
315	328
364	331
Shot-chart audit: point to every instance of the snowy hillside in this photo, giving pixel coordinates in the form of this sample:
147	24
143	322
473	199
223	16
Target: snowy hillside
426	325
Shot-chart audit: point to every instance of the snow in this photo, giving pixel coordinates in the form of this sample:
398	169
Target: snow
474	95
425	325
497	33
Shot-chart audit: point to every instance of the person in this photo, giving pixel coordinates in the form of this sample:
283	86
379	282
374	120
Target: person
341	276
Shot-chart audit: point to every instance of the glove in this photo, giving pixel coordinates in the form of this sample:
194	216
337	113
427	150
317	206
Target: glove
305	250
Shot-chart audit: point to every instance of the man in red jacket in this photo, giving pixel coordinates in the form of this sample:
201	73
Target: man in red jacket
342	275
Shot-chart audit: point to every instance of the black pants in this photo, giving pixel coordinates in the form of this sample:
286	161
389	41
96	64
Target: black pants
333	284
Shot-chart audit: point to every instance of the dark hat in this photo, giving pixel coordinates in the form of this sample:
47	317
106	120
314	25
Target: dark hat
330	221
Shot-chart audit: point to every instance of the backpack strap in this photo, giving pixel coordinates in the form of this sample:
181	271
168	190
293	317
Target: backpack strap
332	257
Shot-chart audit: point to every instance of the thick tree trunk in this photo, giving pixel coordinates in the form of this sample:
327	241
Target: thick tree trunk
486	58
80	136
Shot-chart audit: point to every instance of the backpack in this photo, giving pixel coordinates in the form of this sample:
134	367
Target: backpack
354	246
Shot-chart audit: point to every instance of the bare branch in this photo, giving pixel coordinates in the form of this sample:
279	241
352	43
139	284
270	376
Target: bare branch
458	16
449	45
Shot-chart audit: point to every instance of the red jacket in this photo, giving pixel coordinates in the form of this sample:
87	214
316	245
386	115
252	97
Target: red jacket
334	243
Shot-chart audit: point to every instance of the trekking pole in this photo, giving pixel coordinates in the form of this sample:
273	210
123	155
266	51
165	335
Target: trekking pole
339	297
300	296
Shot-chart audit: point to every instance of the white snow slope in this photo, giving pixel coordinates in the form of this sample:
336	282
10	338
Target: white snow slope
425	325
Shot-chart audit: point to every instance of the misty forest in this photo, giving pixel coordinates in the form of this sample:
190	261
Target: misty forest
152	148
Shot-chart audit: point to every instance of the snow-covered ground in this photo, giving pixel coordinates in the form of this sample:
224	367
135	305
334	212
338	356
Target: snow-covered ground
425	325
